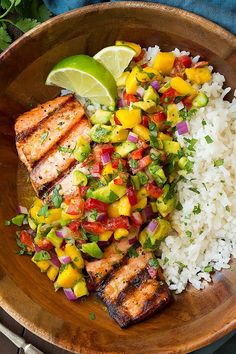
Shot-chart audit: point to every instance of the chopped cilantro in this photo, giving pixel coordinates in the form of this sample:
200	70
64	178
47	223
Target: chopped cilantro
23	248
133	163
56	197
227	208
218	162
204	185
43	211
194	190
208	269
153	135
188	233
41	256
153	262
208	139
43	137
92	316
93	238
166	260
197	209
179	206
132	253
204	122
93	215
181	265
65	149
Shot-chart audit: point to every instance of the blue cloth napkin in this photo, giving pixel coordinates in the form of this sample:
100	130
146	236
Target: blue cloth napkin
222	12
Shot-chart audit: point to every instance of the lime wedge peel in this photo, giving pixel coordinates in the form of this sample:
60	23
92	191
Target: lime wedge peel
115	58
86	77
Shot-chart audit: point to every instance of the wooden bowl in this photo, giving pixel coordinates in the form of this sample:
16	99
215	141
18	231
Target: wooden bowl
196	318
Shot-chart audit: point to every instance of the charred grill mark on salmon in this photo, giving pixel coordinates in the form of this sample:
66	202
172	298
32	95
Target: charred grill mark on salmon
128	290
57	161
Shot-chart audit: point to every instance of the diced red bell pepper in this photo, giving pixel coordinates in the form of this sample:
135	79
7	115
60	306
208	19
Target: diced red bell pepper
137	154
129	98
178	68
93	227
83	190
76	206
137	219
121	178
145	121
186	61
159	117
96	168
187	101
144	162
154	191
101	149
92	203
169	96
116	120
116	163
139	57
115	223
45	244
74	225
132	196
26	239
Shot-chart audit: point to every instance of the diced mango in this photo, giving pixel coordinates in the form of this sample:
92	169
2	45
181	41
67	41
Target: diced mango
173	114
157	74
171	147
113	210
164	62
52	272
74	253
140	205
198	75
161	232
119	233
182	87
68	277
131	84
118	134
119	190
142	193
132	45
121	81
142	132
53	214
43	265
104	236
80	288
163	136
129	118
60	252
124	206
107	169
66	216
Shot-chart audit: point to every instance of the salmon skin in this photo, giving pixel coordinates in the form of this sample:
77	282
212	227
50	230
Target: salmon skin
45	138
130	292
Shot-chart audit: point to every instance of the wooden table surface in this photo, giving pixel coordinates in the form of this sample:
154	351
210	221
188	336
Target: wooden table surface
6	347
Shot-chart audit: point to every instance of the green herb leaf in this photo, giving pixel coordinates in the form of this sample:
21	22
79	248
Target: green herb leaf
227	208
56	197
181	265
194	190
93	238
43	137
26	24
43	13
208	139
197	209
153	262
208	269
132	253
179	206
204	122
92	316
166	260
204	185
5	39
64	149
43	211
188	233
18	219
133	163
41	256
153	134
218	162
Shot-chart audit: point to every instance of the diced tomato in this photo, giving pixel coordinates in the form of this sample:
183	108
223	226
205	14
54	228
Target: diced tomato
145	121
121	178
140	56
154	191
116	120
137	154
144	66
186	61
129	98
26	239
144	162
137	219
132	196
93	227
83	190
92	203
116	163
187	101
116	223
45	244
178	68
76	206
169	96
159	117
96	169
101	149
74	225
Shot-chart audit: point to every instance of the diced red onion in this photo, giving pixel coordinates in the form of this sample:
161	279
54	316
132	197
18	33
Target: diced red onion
101	217
182	127
132	241
54	260
132	137
140	91
148	211
152	226
121	103
70	294
62	233
137	218
37	248
22	209
155	84
180	105
105	157
96	174
65	259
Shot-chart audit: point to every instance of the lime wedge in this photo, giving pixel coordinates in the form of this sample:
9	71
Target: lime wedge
115	58
86	77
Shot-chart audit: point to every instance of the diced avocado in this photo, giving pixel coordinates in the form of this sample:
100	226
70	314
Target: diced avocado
100	133
135	182
104	194
171	147
82	149
147	106
143	178
68	276
165	87
119	190
53	238
118	134
157	173
151	95
162	230
18	219
92	249
32	224
79	178
101	117
125	148
165	206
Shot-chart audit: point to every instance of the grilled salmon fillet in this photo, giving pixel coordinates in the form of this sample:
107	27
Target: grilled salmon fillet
45	139
130	292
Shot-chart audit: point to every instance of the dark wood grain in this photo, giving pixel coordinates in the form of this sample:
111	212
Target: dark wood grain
195	318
